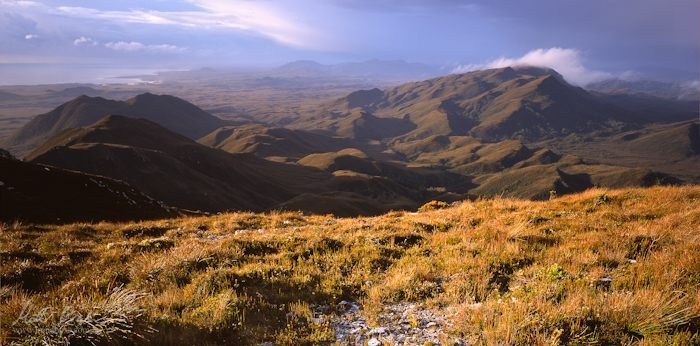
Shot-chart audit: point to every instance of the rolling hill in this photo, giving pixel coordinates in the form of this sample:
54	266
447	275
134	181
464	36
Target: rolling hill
189	175
265	141
170	112
521	132
174	168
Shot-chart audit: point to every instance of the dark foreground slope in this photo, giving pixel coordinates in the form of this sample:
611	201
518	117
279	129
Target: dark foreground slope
37	193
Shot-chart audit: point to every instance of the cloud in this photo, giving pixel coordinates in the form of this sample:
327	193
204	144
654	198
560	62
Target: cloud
140	47
254	17
83	41
566	61
31	36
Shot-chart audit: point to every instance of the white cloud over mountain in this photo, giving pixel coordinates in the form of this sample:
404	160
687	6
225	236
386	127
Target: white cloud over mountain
566	61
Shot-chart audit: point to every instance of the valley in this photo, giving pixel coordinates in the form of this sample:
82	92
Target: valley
520	132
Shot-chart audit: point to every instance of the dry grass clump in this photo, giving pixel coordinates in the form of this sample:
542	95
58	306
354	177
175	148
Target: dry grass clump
601	267
78	320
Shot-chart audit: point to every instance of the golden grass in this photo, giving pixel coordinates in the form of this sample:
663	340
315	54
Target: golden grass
600	267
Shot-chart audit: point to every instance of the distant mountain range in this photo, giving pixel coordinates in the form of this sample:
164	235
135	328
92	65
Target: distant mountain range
374	69
689	91
513	131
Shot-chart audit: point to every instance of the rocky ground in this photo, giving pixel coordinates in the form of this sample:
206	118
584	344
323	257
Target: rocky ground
397	324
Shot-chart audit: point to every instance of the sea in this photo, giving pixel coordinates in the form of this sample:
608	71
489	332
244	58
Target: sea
37	74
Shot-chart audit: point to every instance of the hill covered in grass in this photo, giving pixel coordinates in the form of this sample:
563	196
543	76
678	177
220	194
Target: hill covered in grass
598	267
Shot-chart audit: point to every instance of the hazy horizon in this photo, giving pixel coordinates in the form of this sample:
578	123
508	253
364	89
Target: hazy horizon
585	41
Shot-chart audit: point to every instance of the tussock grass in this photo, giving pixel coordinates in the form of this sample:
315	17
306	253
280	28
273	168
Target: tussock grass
600	267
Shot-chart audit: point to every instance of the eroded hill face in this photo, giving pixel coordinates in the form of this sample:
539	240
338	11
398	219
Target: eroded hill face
493	271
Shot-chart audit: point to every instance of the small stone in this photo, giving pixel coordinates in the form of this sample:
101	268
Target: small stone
377	331
632	261
374	342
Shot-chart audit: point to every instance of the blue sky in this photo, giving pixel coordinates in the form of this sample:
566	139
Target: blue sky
592	38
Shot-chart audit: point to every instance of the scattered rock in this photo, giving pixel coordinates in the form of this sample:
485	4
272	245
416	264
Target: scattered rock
603	283
377	331
398	324
374	342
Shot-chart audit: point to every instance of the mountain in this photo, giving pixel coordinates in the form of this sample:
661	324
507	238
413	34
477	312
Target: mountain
370	69
44	194
78	91
173	168
171	112
689	91
525	103
189	175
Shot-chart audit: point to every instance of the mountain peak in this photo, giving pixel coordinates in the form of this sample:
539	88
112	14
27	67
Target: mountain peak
147	97
168	111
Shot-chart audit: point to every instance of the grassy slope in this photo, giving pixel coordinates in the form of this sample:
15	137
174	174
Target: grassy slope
511	272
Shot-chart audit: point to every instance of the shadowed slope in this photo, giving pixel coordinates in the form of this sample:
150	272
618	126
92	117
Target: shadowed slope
174	168
37	193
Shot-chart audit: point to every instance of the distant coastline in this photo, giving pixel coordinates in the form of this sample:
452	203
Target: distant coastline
39	74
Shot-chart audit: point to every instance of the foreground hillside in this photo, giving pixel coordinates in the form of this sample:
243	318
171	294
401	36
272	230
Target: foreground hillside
603	266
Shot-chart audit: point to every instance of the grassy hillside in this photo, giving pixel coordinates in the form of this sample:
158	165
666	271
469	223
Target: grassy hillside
600	267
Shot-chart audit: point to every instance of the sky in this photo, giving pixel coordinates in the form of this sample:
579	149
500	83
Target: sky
584	40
